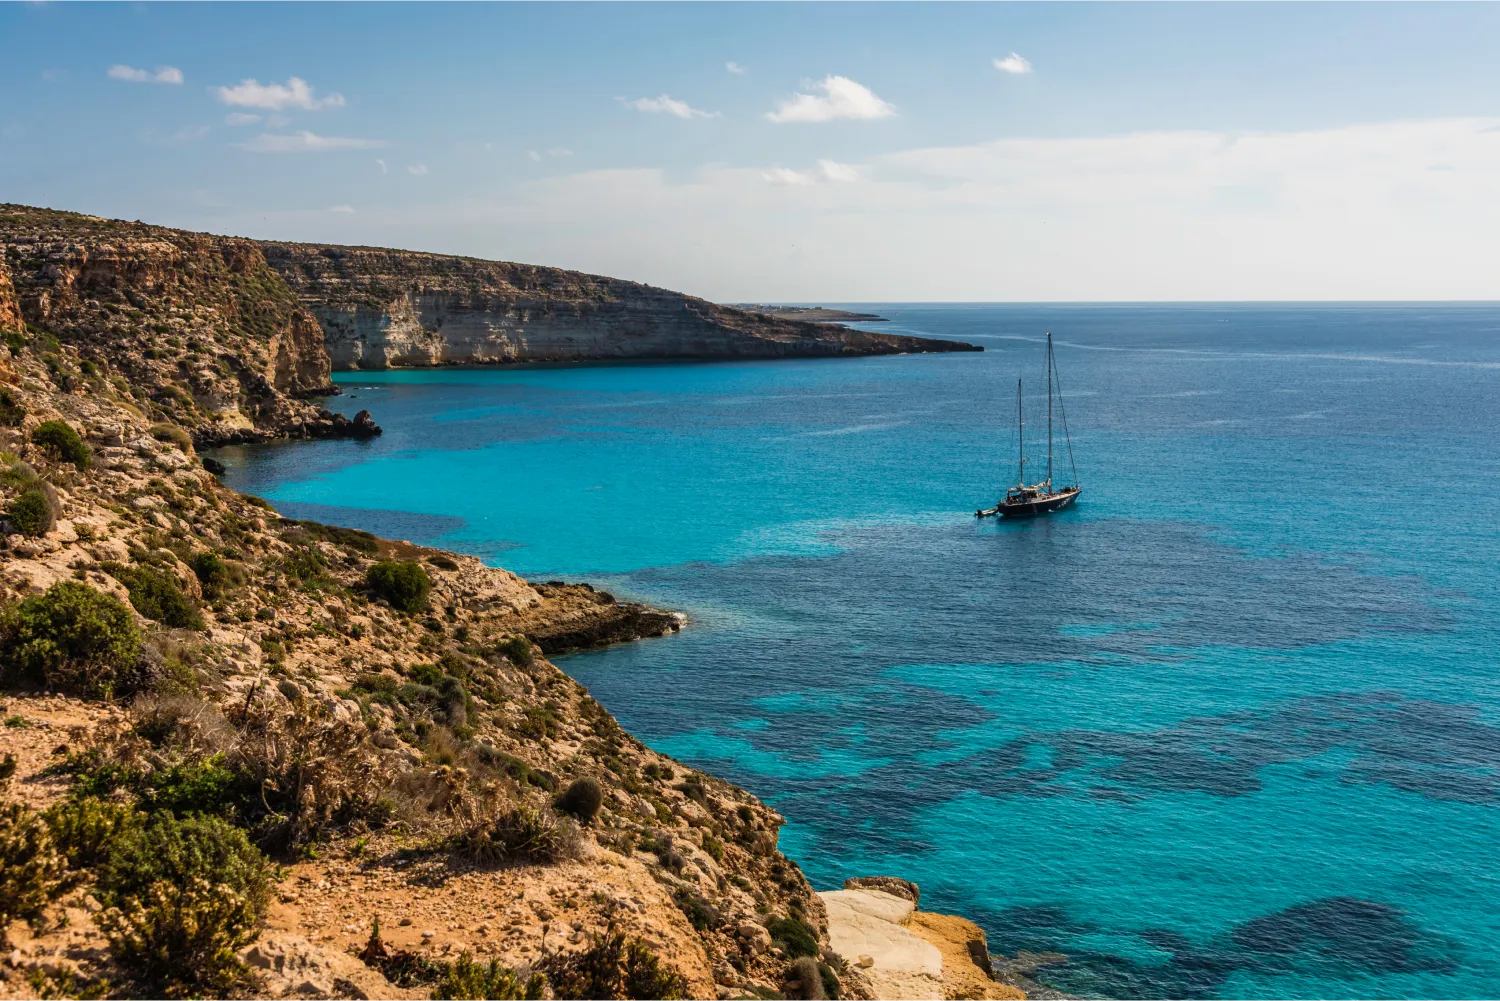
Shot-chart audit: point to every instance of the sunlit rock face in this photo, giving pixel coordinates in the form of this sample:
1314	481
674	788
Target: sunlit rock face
381	308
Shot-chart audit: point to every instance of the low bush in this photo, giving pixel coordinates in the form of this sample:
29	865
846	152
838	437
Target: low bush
468	979
206	786
614	967
176	851
85	830
404	585
518	650
156	594
793	936
521	834
173	435
31	870
72	638
11	409
701	914
34	510
61	442
181	939
582	799
216	574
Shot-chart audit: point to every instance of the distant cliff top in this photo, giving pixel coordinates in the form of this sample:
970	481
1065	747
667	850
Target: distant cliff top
376	277
812	314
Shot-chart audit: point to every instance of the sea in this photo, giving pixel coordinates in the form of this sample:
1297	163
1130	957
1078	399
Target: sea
1227	728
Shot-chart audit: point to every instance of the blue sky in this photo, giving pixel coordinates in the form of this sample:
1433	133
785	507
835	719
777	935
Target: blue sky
796	152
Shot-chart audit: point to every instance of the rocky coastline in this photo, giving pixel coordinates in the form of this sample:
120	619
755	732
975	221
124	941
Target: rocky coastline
372	727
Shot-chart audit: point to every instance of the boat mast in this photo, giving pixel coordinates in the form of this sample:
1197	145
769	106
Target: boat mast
1049	410
1020	440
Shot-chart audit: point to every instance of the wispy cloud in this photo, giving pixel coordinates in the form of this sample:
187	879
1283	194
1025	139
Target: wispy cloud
735	68
306	142
667	105
841	97
295	93
535	156
826	171
559	151
162	74
419	169
383	168
240	118
1015	64
342	209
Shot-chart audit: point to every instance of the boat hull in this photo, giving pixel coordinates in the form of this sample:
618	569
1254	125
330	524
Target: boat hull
1039	506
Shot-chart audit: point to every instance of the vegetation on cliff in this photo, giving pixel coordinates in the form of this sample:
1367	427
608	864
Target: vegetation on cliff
230	738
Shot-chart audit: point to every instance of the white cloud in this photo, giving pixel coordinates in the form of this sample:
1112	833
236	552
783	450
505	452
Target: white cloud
306	142
383	168
419	169
342	209
735	68
240	118
190	133
295	93
1352	213
841	98
667	105
559	151
534	156
826	170
1015	64
162	74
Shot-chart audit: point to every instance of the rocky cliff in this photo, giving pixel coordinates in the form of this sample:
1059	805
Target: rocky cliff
182	327
382	308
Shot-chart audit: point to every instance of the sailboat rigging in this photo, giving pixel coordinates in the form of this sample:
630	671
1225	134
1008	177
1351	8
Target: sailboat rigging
1027	500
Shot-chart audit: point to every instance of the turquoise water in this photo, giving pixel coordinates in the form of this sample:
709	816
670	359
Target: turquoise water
1229	728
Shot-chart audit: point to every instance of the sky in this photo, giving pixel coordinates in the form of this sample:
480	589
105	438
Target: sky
841	152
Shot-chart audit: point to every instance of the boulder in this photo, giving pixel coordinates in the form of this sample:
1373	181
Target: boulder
894	885
292	965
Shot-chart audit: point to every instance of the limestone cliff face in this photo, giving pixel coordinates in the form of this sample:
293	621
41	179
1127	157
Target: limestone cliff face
10	308
195	329
381	308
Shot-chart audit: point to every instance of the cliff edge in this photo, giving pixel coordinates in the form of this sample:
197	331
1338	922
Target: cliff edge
381	308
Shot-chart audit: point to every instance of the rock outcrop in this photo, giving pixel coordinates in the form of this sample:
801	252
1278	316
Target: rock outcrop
906	953
189	329
10	307
381	308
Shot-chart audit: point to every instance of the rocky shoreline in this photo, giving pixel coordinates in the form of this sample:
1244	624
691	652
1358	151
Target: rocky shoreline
377	719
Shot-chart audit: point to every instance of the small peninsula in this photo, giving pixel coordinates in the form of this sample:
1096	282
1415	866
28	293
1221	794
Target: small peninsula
811	314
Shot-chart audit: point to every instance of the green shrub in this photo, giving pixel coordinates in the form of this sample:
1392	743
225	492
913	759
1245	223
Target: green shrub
85	829
613	967
713	847
404	585
61	442
156	594
178	850
71	638
793	936
33	511
11	409
701	914
217	575
180	940
582	799
206	787
518	650
31	870
468	979
173	435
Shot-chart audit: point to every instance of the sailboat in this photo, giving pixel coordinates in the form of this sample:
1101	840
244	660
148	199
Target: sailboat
1027	500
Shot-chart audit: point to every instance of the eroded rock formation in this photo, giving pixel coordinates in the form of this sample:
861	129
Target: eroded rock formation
382	308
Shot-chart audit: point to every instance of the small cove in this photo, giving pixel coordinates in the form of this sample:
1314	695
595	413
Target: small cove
1208	736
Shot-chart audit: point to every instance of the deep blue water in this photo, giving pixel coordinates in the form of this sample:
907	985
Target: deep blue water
1229	728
